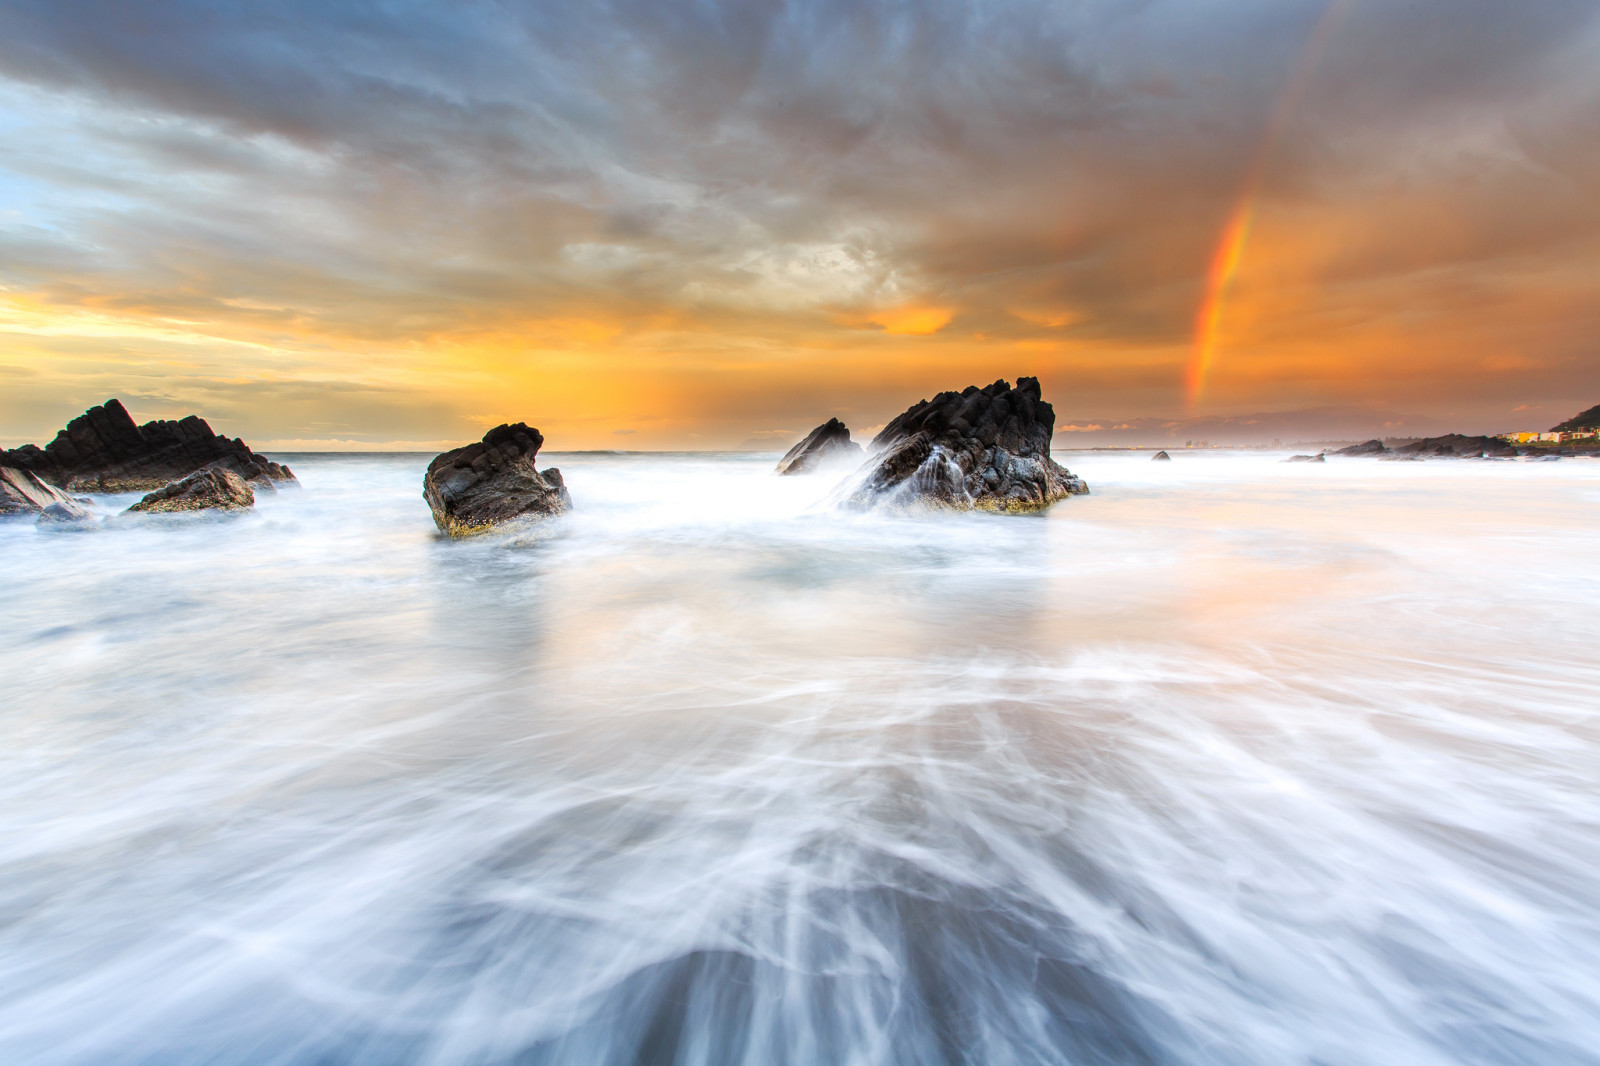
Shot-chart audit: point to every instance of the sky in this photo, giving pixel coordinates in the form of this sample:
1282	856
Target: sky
649	224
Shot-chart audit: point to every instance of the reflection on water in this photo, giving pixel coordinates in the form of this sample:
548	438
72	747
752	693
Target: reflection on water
1230	762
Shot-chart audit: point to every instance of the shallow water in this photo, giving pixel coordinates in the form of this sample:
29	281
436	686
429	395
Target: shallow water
1230	762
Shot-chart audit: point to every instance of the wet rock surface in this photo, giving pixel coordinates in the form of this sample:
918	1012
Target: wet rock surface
103	450
1318	458
25	494
1161	457
829	442
1458	446
473	489
1371	447
985	448
211	489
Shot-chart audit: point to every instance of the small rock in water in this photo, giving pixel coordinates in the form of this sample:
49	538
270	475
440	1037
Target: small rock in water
1318	458
985	448
473	489
211	489
829	441
1161	457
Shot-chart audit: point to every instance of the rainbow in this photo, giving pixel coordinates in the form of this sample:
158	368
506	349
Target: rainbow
1229	252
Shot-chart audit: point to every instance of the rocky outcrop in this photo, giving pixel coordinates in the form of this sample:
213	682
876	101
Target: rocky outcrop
23	494
1456	445
986	448
1318	458
211	489
1371	447
1161	457
828	443
102	450
1589	419
473	489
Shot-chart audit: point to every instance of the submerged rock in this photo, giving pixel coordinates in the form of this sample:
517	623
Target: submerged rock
986	448
24	494
1320	457
1459	446
828	442
211	489
1161	457
473	489
1371	447
102	450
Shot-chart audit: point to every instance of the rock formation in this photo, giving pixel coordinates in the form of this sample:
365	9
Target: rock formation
1162	457
828	442
214	488
1589	419
1371	447
473	489
1458	446
985	448
22	493
102	450
1318	458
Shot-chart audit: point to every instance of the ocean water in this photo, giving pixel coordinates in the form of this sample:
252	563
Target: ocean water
1229	762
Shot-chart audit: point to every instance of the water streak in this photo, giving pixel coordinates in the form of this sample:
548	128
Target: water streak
1231	762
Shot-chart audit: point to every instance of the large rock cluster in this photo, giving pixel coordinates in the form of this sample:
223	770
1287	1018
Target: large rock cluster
1371	447
103	450
828	443
985	448
473	489
1459	446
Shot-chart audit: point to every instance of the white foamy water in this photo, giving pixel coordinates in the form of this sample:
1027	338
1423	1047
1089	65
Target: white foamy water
1231	762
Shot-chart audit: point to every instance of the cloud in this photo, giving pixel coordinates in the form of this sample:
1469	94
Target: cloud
626	210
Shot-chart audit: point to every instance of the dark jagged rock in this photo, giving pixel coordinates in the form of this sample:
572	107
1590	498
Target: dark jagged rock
23	493
102	450
1318	458
1371	447
1458	446
985	448
1589	419
211	489
827	443
473	489
1161	457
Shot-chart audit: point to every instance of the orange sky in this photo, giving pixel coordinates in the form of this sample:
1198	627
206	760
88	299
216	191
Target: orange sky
672	225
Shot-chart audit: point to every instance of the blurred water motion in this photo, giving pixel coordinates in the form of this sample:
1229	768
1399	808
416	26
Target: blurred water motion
1230	762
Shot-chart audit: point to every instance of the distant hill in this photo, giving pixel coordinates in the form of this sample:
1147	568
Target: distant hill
1590	419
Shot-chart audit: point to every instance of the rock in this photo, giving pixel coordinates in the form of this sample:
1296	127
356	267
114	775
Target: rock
1161	457
22	492
986	448
211	489
102	450
1371	447
473	489
1318	458
65	512
1458	446
827	443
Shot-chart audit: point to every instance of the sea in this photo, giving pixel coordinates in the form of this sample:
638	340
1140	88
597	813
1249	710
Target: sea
1232	761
